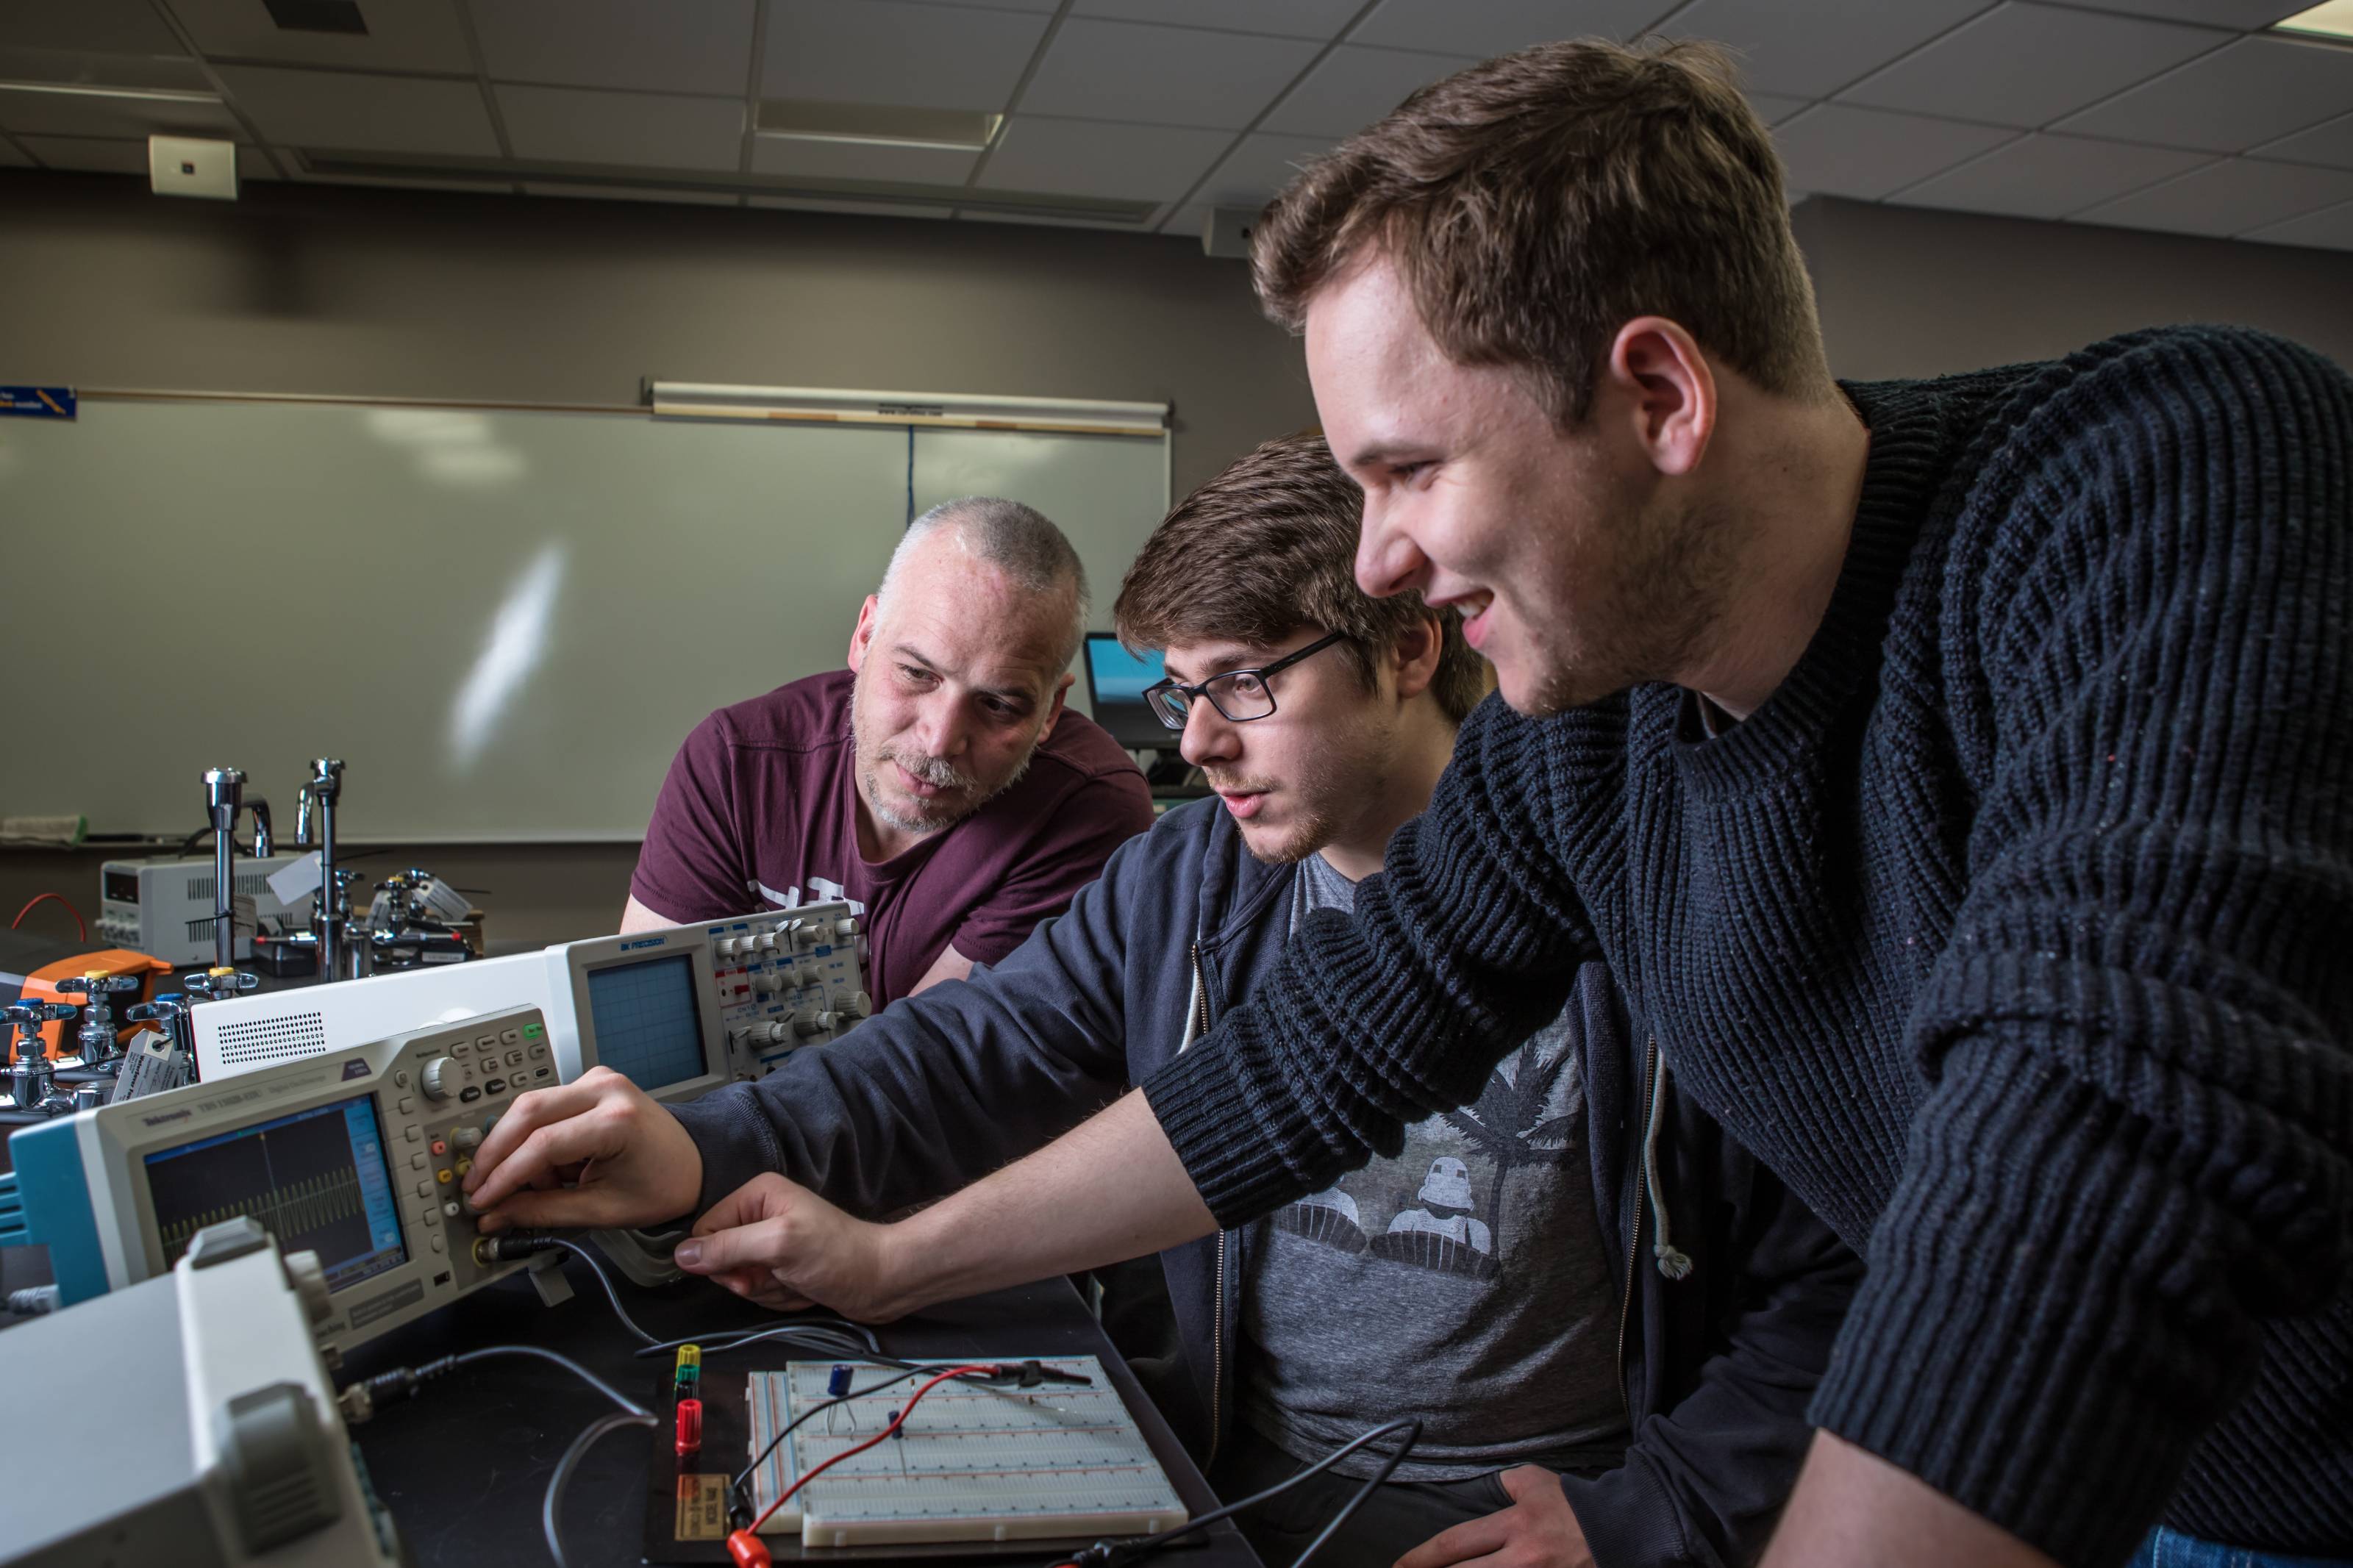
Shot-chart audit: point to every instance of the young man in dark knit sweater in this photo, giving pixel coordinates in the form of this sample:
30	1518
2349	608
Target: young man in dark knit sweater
1953	774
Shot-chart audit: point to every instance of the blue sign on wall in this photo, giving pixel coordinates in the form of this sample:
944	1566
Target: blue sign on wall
37	402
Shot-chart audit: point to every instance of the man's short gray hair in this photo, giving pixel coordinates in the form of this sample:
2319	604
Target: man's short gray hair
1018	541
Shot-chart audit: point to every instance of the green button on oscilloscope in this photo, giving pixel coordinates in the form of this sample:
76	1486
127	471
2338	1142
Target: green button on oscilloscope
532	1031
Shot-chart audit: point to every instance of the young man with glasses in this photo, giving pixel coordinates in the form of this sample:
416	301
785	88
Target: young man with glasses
1607	1316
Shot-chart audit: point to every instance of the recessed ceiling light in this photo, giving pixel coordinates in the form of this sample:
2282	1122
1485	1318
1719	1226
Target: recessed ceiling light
878	125
84	75
2330	19
136	94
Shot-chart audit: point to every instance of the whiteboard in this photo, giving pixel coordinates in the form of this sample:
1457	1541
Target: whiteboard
503	620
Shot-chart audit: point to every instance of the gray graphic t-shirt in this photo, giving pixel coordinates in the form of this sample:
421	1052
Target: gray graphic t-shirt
1464	1281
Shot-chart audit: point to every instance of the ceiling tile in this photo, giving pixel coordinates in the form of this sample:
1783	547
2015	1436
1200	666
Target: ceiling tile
2049	177
634	193
1186	220
583	125
105	26
253	163
12	156
1867	153
89	154
1047	6
1161	76
2330	228
1810	48
1352	87
402	34
363	113
2028	65
2245	16
859	209
2329	143
2255	90
861	161
1253	172
657	45
1773	109
2229	197
1282	18
78	114
882	51
1094	158
1498	27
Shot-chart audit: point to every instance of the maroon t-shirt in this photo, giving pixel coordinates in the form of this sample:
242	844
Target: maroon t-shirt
760	811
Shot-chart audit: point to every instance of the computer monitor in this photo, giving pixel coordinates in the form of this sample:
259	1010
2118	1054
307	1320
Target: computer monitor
1115	683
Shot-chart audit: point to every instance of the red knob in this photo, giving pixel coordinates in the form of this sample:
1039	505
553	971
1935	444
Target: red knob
748	1549
690	1427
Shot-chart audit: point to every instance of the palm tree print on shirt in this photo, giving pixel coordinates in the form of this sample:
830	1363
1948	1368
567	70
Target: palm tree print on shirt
1447	1185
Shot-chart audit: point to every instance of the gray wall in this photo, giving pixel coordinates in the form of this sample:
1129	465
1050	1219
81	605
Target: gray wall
317	289
314	289
1911	292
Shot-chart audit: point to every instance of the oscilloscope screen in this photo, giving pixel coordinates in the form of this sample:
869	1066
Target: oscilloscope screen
644	1021
316	1179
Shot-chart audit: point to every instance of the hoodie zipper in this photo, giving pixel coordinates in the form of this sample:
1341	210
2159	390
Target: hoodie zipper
1634	1231
1196	1026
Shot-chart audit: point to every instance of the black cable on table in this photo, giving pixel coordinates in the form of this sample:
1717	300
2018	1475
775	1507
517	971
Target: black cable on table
553	1504
1104	1554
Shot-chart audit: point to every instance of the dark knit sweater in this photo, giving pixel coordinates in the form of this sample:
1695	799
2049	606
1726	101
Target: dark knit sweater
2015	932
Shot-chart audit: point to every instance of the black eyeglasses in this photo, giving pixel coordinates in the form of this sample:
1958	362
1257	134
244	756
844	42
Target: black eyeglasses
1241	695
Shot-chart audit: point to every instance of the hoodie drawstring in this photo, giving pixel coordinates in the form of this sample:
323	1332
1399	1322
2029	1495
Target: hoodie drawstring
1672	1263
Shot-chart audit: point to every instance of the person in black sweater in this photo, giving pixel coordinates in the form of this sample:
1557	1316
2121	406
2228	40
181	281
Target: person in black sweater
1953	775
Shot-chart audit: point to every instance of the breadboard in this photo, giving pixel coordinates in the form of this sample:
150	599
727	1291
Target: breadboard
973	1463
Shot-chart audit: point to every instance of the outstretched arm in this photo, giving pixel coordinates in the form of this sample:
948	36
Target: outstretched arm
1111	1189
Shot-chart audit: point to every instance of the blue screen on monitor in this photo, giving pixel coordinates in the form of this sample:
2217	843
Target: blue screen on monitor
1117	675
1115	683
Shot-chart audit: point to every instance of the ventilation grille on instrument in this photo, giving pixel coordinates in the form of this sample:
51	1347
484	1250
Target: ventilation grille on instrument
253	884
287	1037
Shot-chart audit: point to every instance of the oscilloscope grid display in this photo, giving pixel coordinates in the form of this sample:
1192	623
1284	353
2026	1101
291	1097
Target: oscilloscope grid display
316	1179
647	1028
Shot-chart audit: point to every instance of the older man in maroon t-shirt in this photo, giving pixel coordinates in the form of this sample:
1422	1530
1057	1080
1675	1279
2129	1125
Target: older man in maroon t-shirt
938	783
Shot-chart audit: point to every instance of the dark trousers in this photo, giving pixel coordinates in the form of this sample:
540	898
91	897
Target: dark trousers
1395	1520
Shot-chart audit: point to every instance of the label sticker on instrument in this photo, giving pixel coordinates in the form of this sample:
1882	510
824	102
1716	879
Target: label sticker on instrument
701	1508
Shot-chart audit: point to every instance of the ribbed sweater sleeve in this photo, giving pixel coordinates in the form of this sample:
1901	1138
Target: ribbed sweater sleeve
2137	1139
1464	946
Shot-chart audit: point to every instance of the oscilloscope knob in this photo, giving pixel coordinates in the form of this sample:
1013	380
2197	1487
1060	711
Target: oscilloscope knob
440	1078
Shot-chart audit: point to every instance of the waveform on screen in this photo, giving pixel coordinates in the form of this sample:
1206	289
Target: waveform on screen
310	1205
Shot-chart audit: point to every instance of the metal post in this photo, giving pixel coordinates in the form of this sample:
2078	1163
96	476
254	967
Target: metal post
327	918
224	797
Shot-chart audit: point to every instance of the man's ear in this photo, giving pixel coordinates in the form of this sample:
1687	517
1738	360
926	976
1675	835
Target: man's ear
1413	660
861	637
1664	388
1054	711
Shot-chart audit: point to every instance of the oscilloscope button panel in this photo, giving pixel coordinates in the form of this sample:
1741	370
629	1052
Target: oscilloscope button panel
777	974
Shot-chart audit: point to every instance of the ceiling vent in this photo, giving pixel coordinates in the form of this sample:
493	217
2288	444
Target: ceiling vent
317	15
